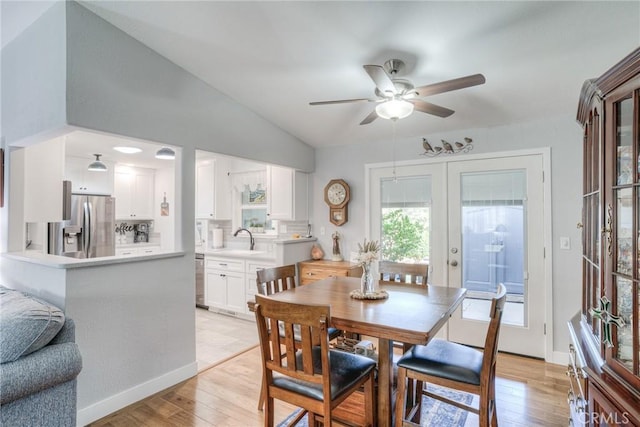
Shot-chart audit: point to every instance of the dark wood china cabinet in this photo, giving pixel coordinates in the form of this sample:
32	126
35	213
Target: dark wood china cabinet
605	351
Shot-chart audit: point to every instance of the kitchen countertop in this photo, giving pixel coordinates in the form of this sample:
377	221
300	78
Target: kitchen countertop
292	240
233	252
56	261
239	253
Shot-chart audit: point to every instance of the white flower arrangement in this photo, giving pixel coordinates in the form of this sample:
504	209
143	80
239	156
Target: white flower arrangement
367	252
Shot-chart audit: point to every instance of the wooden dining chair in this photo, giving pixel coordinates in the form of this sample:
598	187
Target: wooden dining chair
392	273
277	279
398	272
310	375
453	366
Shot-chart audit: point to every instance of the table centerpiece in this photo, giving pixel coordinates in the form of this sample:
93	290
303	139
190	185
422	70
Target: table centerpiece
368	254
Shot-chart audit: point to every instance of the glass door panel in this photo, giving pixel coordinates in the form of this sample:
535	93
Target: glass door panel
406	219
405	204
493	240
595	228
624	128
623	231
624	288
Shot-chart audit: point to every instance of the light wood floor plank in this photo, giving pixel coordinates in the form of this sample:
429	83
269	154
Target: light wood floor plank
529	393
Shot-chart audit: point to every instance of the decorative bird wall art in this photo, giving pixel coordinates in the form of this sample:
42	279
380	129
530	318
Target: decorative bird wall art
447	147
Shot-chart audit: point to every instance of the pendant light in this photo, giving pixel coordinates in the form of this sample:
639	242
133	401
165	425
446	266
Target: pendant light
98	165
166	153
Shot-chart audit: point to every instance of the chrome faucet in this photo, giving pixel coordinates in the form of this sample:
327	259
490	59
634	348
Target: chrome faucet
252	242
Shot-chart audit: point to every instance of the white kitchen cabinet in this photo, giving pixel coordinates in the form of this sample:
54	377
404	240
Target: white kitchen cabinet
133	251
84	181
287	194
126	252
225	284
213	190
134	191
251	288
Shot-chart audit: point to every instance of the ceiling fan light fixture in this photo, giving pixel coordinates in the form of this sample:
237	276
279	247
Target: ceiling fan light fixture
166	153
394	109
98	165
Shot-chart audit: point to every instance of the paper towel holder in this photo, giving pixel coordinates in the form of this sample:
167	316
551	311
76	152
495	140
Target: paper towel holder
217	240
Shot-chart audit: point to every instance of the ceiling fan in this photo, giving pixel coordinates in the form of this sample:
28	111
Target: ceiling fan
397	98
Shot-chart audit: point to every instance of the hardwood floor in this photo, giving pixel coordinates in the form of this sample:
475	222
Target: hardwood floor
529	393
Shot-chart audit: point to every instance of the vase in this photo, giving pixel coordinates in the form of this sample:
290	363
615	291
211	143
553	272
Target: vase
370	278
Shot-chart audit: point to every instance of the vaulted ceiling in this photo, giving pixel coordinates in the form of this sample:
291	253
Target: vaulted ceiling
276	57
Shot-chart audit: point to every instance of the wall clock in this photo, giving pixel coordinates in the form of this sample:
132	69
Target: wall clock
337	195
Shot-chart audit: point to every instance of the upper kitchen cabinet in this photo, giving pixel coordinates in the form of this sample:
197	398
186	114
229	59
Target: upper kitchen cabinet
213	190
287	194
134	191
84	181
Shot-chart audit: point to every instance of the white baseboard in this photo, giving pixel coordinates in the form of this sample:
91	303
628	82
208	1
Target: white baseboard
559	358
118	401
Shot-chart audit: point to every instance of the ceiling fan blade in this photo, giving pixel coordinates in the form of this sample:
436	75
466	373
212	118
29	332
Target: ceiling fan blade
371	117
429	108
449	85
380	78
343	101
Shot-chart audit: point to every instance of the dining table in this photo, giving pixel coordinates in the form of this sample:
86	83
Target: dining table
410	314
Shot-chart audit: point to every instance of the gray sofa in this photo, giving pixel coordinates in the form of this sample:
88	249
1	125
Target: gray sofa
40	363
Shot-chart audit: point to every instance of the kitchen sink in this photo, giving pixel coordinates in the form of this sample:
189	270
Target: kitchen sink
240	253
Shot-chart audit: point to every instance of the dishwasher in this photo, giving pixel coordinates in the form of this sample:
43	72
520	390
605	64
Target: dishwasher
200	281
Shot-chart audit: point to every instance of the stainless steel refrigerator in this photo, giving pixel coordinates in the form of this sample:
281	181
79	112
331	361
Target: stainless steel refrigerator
89	231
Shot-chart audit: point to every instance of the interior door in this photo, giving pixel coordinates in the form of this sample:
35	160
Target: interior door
496	224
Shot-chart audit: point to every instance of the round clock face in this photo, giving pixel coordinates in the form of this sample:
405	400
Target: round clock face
336	194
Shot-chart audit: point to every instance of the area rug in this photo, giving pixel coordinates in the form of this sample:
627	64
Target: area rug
434	412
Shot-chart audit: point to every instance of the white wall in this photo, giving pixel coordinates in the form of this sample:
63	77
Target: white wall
562	134
33	78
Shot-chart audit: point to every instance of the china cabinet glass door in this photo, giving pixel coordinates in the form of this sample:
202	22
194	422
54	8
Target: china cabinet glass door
592	289
621	231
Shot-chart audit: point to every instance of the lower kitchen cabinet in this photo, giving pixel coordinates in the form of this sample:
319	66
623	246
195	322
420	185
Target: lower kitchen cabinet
251	287
225	285
145	250
225	290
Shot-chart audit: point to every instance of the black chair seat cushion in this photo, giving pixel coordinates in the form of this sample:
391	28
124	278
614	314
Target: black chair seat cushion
444	359
346	370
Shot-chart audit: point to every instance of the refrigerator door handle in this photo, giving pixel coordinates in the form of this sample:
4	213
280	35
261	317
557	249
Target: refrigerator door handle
87	229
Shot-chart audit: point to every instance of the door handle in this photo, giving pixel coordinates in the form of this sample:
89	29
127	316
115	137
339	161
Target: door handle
453	263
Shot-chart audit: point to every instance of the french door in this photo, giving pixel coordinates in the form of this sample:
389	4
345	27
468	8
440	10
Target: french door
496	223
484	225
